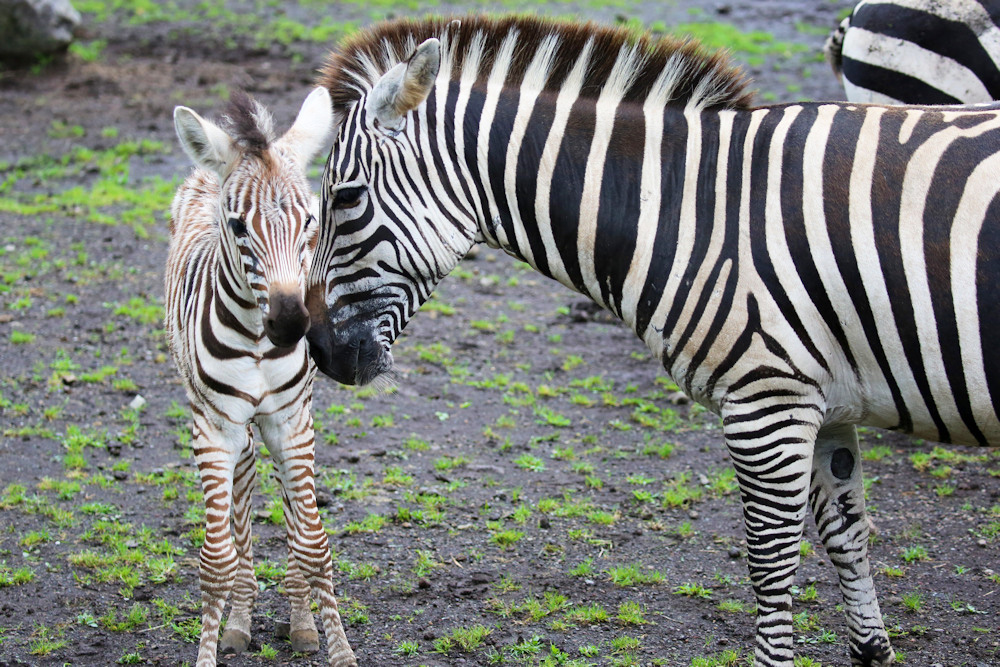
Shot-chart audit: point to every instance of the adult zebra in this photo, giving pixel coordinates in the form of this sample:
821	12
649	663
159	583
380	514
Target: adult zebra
919	52
784	263
235	281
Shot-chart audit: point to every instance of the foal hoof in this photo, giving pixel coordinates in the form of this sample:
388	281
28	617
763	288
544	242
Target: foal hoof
234	641
305	641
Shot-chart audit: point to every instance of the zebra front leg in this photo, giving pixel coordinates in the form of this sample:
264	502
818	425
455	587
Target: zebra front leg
215	452
236	637
303	635
838	503
290	441
773	459
312	554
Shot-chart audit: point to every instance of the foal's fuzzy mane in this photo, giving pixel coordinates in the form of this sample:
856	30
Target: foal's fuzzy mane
248	123
698	78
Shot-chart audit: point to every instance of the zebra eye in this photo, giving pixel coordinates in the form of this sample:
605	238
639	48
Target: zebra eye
309	221
348	197
238	226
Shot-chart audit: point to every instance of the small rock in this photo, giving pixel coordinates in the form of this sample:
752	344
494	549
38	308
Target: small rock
120	475
68	379
282	629
734	552
693	514
138	403
323	499
423	583
981	543
678	398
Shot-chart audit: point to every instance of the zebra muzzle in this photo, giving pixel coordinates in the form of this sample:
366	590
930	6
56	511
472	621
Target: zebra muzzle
287	319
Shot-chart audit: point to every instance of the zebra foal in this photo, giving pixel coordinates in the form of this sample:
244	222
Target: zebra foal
240	243
799	269
918	52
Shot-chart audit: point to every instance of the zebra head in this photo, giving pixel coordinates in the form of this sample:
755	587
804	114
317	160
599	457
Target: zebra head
266	209
389	232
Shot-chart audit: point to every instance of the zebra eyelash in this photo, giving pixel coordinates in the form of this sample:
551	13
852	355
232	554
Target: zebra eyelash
348	197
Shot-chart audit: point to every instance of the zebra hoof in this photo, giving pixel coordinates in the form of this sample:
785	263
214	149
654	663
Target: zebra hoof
234	641
305	641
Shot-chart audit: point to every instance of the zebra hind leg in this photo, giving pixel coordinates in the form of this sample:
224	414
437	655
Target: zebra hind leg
838	502
236	637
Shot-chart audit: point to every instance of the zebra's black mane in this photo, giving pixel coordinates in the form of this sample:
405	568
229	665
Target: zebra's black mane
248	123
706	79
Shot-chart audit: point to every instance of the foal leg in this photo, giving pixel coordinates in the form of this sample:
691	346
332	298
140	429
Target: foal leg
216	451
236	637
290	440
838	503
303	634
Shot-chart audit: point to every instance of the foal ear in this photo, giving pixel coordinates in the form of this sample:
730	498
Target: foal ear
405	87
311	129
208	146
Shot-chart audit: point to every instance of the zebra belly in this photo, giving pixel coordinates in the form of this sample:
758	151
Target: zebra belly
934	413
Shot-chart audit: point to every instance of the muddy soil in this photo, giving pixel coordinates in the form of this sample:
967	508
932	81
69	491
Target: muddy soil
533	470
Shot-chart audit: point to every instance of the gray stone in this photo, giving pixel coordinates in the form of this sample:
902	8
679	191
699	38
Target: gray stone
30	28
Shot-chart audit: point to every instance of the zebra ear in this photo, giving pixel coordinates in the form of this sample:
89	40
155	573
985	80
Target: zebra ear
311	129
405	87
208	146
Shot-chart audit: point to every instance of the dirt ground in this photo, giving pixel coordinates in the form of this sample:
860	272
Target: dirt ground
535	492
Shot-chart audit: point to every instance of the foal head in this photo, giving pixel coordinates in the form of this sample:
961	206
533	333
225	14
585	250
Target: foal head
266	210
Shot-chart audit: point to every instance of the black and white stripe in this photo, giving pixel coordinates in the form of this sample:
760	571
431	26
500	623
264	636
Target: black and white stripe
919	52
240	245
799	269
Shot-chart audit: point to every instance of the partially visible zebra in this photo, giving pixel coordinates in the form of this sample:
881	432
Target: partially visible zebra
240	244
919	52
786	264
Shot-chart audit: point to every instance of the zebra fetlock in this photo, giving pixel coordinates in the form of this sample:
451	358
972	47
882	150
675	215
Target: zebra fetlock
241	240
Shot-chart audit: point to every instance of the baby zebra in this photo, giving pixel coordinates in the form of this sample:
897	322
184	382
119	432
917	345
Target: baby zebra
240	244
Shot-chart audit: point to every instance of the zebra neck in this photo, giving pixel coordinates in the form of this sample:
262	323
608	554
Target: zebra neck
599	197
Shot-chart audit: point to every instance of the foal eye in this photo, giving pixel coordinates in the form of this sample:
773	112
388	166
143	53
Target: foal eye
308	222
348	197
238	226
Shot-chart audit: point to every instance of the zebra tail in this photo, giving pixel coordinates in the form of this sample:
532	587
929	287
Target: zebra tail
833	47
